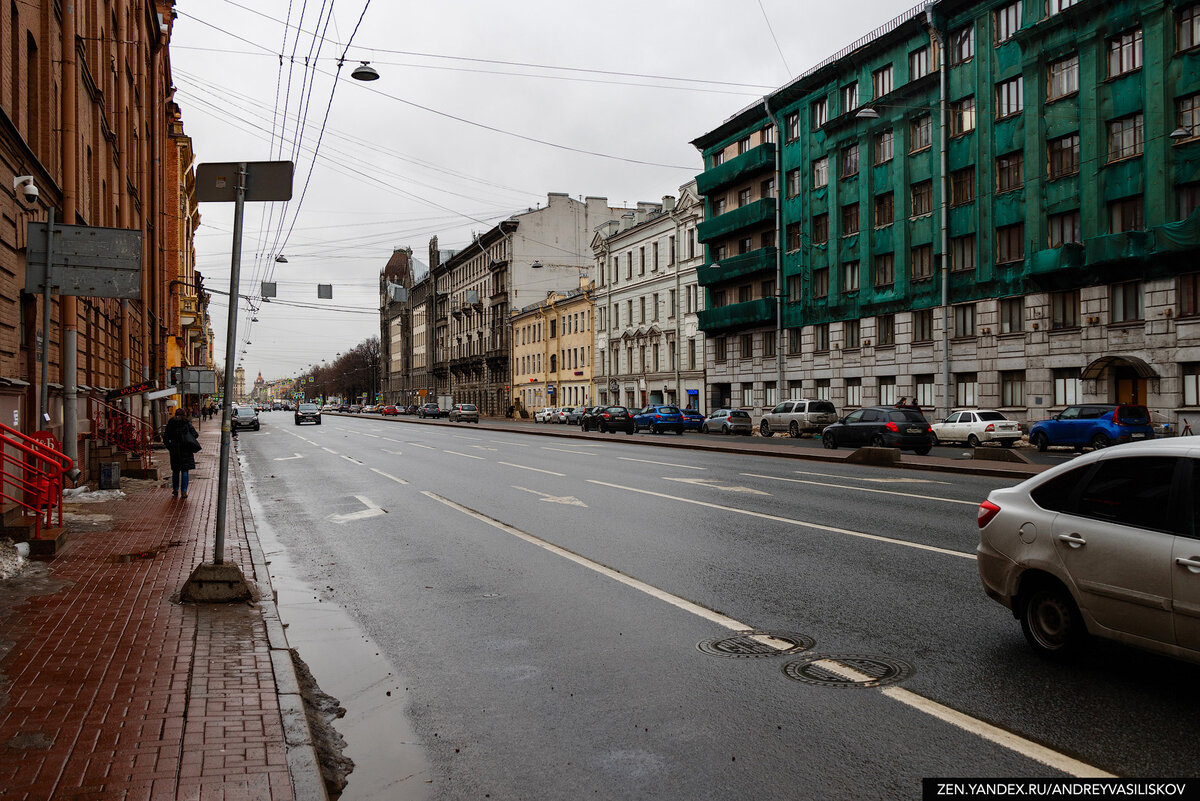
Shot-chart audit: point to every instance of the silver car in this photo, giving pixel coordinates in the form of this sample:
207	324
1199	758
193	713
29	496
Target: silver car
798	417
1107	544
728	421
464	413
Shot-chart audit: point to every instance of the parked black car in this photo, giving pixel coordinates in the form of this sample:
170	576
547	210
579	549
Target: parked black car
607	419
429	410
881	427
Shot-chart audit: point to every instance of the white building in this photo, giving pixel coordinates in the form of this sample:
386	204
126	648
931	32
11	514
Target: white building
649	347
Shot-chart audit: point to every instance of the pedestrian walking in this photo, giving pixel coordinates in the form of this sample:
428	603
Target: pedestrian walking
182	442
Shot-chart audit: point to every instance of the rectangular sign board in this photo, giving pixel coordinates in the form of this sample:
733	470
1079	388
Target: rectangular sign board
89	261
132	389
197	381
265	180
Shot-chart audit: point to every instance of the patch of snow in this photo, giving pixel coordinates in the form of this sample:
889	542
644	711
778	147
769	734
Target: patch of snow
84	495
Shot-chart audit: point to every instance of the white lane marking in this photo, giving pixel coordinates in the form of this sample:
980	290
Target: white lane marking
463	436
774	642
388	475
288	458
372	436
711	483
371	511
535	469
666	464
393	453
484	448
389	439
863	489
564	450
569	500
875	480
791	522
986	731
502	442
331	450
349	458
469	456
419	445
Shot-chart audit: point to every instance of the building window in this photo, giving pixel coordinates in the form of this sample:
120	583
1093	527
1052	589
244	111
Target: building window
746	346
1012	315
718	158
1064	156
1187	114
854	392
768	134
966	389
1010	169
885	329
881	81
769	345
852	334
962	186
922	262
821	337
962	253
745	245
769	394
747	394
850	219
1058	6
918	63
962	116
1187	198
1067	384
923	325
850	97
1008	22
794	180
920	133
791	127
1064	309
767	188
1010	97
820	229
964	320
884	209
1125	137
691	354
1126	215
887	390
1010	243
743	145
922	198
885	270
850	276
820	283
1125	53
885	143
743	198
850	160
1191	384
1187	293
720	349
1065	229
925	391
795	289
820	172
1064	78
794	236
1126	302
744	293
820	113
962	45
1187	28
794	340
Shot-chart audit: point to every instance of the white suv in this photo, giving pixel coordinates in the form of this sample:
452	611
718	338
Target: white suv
798	417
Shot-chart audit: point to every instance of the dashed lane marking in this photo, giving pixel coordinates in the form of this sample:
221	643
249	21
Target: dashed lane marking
331	450
388	475
419	445
862	489
564	450
534	469
349	458
874	480
665	464
469	456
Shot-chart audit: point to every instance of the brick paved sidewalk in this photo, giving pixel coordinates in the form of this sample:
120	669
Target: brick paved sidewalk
114	690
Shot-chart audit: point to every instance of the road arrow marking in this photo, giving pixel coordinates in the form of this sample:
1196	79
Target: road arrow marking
568	500
288	458
371	511
711	483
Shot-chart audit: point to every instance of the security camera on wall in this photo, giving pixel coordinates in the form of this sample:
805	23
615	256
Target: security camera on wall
27	188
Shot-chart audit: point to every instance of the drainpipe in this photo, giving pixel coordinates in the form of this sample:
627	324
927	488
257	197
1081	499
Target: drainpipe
69	304
677	311
943	158
778	255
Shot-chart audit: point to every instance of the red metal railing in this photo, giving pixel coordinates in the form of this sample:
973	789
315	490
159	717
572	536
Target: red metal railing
120	429
31	474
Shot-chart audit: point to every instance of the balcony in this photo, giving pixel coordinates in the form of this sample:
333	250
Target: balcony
759	211
738	315
752	161
736	266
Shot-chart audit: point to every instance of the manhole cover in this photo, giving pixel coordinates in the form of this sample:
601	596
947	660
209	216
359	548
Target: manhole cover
757	644
847	671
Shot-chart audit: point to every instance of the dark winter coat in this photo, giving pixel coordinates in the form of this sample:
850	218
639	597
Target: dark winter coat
181	458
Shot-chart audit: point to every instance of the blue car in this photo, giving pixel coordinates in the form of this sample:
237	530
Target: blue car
1095	425
692	419
659	419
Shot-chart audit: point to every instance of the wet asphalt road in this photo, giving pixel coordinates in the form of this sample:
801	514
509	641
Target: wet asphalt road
529	672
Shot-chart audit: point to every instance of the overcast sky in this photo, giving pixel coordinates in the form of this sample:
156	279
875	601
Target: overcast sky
443	143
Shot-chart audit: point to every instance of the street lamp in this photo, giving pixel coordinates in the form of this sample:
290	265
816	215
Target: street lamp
1181	133
365	72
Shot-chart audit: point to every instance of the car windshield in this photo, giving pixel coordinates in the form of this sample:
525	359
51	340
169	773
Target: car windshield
985	416
822	406
308	407
244	411
668	410
468	407
739	413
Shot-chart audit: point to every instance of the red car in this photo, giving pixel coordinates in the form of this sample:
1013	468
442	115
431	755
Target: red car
389	410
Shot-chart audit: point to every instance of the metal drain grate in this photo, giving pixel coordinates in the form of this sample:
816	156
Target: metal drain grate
847	670
757	644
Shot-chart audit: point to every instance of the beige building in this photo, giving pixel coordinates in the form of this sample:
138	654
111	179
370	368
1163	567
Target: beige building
552	351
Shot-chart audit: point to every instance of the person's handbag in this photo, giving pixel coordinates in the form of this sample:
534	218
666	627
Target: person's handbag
190	443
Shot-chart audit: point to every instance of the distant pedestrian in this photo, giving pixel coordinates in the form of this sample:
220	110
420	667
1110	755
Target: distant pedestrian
182	442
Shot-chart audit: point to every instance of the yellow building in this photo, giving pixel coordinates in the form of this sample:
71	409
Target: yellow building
552	352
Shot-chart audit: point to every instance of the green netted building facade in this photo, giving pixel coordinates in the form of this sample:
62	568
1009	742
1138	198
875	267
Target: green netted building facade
980	204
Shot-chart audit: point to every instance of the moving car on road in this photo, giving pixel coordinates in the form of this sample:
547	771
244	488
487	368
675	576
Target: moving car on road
658	419
464	413
728	421
244	417
1097	425
976	426
798	417
881	427
1103	545
308	413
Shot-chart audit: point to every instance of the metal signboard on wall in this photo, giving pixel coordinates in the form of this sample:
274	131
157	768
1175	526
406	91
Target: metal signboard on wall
197	381
89	261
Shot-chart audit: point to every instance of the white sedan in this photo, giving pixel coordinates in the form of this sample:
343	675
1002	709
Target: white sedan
546	415
975	426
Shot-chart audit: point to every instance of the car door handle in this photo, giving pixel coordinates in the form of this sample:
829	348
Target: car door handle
1074	540
1191	564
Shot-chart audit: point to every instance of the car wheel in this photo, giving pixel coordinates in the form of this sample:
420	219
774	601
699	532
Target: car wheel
972	441
1051	621
630	431
679	431
934	438
604	428
1101	441
1040	442
704	428
764	428
794	430
656	429
877	441
318	422
923	451
829	441
726	430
